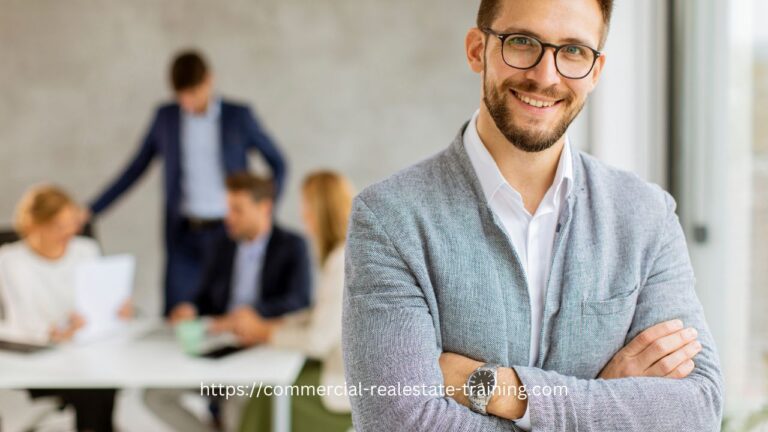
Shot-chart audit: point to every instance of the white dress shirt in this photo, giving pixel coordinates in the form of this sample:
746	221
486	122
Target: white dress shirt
532	236
247	271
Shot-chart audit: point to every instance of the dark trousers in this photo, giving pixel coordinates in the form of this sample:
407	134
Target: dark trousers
93	407
189	248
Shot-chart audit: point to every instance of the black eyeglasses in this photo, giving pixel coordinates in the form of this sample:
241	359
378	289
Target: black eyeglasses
520	51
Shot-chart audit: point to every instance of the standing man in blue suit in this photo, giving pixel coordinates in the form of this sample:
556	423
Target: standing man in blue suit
202	139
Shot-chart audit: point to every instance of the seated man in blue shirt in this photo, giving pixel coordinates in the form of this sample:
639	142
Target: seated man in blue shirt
257	271
202	138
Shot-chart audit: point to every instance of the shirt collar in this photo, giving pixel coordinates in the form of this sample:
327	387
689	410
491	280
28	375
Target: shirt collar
491	179
211	112
255	246
214	107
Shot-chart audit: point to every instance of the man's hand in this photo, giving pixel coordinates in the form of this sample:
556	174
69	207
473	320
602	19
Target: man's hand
663	350
504	404
249	327
221	324
456	370
182	312
84	216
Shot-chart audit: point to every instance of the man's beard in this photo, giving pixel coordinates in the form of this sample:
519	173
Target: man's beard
495	100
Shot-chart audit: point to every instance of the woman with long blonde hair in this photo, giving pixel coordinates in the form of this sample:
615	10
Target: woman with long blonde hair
326	202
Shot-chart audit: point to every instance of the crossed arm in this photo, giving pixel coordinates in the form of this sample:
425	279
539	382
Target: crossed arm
390	339
664	350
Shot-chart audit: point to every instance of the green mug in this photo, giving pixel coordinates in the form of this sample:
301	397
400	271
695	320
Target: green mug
191	335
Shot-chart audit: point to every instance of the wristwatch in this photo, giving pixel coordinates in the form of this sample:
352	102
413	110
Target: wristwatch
480	387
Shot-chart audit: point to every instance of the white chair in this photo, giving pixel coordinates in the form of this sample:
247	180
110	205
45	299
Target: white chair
20	413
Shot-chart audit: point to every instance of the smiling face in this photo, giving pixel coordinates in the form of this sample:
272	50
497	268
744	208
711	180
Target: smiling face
533	108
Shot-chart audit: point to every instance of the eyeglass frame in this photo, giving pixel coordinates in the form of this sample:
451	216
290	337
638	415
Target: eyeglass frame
544	45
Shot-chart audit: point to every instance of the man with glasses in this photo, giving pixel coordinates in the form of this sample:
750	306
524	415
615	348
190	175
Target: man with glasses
511	282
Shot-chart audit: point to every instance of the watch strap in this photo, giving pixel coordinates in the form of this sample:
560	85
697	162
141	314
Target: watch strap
480	405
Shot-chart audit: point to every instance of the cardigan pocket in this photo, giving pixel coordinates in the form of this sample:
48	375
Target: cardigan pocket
613	305
603	330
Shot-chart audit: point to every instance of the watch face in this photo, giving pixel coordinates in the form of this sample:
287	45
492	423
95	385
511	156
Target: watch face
481	383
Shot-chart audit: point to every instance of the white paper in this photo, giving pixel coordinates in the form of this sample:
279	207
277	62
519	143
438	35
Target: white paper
102	286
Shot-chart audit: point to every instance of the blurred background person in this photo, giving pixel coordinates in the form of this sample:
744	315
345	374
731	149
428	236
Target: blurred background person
257	270
202	139
326	201
37	289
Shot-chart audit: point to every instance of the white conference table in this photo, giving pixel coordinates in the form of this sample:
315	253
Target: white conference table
144	354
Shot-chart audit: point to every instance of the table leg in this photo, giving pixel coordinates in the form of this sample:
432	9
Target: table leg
281	412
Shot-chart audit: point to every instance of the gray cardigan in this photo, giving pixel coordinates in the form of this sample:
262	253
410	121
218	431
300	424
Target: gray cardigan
429	269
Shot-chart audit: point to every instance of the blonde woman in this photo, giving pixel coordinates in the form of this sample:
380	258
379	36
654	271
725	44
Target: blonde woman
37	288
326	203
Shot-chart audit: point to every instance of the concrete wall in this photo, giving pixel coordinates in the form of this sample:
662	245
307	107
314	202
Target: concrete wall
360	86
364	87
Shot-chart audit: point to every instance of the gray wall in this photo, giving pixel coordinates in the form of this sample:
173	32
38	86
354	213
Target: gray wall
361	86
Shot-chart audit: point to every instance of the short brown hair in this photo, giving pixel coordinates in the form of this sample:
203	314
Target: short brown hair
489	9
188	70
40	205
259	188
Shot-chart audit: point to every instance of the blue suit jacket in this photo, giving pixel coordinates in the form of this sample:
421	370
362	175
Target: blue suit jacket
285	276
240	132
